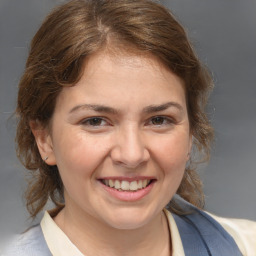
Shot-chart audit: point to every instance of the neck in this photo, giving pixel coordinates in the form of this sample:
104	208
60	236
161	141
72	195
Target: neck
93	237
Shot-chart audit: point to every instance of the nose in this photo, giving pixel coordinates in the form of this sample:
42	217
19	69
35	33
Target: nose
129	149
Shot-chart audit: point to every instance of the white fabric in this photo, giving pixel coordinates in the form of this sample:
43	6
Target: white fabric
56	239
243	232
177	248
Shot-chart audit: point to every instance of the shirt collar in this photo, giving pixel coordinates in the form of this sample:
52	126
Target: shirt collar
59	244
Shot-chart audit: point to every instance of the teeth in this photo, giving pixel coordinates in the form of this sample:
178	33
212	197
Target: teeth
117	184
133	185
140	184
111	183
125	185
144	183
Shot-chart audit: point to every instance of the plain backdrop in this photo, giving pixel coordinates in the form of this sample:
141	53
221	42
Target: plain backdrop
224	36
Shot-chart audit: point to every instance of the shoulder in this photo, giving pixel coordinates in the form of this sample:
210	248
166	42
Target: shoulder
234	232
242	231
29	243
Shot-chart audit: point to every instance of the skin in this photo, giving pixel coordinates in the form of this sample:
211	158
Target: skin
130	137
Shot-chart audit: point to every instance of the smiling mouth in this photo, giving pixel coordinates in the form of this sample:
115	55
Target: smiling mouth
124	185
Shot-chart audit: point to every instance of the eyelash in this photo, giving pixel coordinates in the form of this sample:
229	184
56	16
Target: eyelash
92	119
164	121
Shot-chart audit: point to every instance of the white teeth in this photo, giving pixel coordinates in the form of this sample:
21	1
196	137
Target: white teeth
126	185
144	183
140	184
134	185
117	184
111	183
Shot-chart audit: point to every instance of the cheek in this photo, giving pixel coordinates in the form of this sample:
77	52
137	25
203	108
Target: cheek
79	154
171	153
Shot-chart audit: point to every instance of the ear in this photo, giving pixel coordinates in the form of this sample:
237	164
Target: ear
44	142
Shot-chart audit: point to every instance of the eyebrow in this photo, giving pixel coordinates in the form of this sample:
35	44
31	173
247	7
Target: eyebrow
158	108
94	107
105	109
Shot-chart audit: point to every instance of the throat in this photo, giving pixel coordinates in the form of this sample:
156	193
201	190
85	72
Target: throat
90	237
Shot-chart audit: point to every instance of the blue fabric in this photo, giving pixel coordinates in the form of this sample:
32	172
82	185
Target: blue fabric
30	243
201	235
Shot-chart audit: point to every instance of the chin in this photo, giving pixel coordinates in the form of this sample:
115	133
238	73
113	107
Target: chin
128	219
127	224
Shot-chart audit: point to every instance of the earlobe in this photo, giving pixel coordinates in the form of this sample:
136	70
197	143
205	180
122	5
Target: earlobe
44	142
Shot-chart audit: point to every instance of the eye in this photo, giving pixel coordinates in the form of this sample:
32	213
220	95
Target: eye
94	122
160	121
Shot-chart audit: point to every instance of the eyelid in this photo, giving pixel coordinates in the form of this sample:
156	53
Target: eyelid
167	120
170	120
88	119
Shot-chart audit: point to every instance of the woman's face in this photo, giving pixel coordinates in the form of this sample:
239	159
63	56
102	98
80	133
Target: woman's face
120	138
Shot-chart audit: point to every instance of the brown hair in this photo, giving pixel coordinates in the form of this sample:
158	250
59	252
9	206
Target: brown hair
78	29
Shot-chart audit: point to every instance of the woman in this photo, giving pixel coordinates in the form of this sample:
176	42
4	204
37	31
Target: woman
110	106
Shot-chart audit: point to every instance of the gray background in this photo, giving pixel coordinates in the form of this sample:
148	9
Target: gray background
224	35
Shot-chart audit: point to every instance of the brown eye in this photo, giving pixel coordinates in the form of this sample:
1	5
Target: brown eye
159	120
94	121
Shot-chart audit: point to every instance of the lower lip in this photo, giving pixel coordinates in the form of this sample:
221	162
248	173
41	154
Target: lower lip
129	196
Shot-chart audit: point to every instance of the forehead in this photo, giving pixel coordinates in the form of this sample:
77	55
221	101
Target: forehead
123	78
126	64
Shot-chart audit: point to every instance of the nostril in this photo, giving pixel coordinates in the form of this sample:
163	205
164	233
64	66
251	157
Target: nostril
129	150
